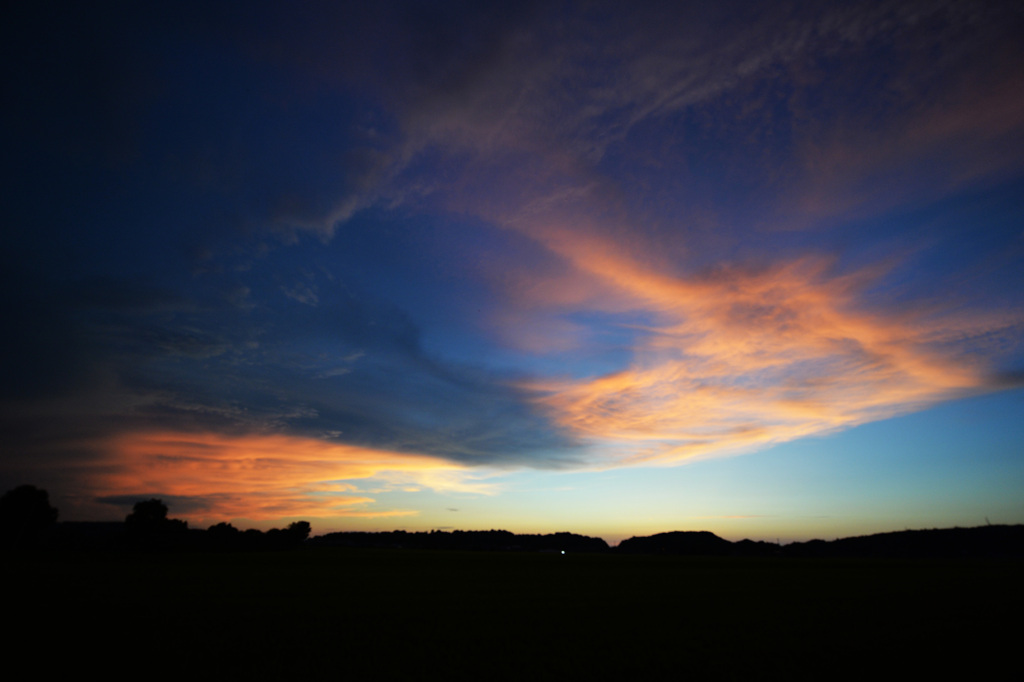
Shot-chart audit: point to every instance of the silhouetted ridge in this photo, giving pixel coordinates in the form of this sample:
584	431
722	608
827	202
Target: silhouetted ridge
994	542
690	543
982	541
27	520
490	540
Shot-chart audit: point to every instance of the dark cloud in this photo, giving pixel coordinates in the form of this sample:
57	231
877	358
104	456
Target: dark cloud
1007	379
351	367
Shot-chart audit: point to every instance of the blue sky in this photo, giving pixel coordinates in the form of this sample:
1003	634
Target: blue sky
543	267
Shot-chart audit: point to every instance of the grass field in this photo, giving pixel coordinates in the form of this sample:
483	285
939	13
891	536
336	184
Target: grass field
371	614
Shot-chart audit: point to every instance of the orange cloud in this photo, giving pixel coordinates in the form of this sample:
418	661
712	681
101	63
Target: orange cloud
741	358
261	477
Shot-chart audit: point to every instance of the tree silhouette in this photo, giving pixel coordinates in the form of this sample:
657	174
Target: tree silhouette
223	528
292	536
148	525
223	536
147	515
25	514
299	531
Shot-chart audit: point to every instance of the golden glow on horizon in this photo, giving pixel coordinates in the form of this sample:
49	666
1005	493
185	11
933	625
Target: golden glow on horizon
260	477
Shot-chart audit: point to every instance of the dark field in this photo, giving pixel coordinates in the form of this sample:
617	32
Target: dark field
360	614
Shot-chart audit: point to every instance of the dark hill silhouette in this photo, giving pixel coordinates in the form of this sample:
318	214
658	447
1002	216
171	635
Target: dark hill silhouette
941	543
690	543
994	542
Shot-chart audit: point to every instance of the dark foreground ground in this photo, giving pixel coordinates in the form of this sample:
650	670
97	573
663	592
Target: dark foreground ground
376	614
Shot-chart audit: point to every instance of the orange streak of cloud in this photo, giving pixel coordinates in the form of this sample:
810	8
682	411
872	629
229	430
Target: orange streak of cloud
742	359
261	477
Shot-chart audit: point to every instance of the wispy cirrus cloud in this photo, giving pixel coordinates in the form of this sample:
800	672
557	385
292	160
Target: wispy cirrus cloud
740	358
736	352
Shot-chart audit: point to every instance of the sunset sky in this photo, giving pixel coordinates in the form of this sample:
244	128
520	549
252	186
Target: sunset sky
607	268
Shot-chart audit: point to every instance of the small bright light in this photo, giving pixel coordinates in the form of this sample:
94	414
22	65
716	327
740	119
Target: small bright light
563	551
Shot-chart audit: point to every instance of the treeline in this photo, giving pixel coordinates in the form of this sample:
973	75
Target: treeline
981	542
486	540
148	527
27	521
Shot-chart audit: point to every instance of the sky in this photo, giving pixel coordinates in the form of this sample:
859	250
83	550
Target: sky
599	267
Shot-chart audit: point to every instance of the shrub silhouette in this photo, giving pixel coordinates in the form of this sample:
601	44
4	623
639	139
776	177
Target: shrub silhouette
292	536
148	525
25	515
223	529
299	531
147	515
